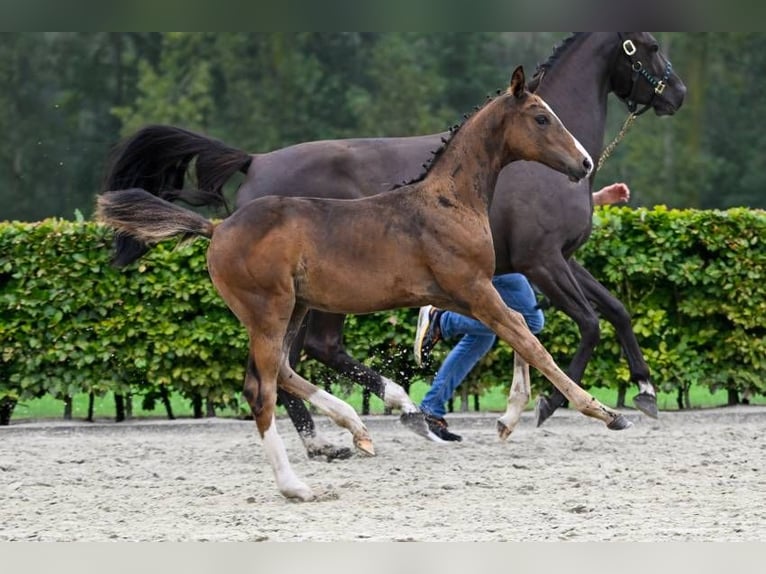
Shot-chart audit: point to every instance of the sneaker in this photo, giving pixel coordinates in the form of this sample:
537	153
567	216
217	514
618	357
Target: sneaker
427	333
438	426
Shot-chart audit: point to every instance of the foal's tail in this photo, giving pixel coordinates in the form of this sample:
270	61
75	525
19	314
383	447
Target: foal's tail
138	215
157	159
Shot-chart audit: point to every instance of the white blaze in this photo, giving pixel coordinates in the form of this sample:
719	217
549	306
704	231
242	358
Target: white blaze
576	141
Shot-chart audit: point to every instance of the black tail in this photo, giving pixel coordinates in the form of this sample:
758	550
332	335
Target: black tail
157	159
144	217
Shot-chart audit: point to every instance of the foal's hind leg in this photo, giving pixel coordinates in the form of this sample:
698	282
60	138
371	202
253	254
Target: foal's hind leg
261	315
261	393
316	444
324	342
518	397
339	411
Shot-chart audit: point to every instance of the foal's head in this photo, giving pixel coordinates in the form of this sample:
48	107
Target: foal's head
533	132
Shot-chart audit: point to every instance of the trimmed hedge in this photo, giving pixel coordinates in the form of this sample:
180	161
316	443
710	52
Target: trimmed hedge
694	281
695	285
72	324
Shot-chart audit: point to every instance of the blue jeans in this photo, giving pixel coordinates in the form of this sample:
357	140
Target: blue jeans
477	339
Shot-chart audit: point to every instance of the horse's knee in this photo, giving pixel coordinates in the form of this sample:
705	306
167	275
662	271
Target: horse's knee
590	331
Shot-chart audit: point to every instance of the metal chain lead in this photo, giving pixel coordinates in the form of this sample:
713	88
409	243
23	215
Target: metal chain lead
610	148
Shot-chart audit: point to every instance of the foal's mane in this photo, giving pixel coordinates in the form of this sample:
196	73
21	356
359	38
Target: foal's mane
532	85
446	140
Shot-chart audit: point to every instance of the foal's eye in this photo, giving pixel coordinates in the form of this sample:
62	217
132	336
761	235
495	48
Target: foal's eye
542	120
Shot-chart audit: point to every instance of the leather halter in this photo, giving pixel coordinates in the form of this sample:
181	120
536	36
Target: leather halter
639	71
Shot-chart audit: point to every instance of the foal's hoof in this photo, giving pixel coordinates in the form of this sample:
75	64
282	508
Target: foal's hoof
503	430
331	452
298	493
619	423
365	446
647	404
416	422
543	409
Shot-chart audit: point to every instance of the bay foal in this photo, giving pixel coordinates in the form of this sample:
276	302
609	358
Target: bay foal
427	242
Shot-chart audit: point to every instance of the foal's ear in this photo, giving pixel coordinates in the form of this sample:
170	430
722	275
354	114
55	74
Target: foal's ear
518	82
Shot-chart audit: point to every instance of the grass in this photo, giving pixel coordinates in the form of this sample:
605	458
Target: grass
492	401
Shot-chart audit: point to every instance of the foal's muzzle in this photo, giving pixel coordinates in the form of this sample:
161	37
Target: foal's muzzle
581	172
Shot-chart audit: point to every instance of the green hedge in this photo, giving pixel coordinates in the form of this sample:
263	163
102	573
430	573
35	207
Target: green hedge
694	281
695	285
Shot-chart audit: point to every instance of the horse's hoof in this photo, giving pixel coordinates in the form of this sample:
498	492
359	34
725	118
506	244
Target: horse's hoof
298	493
619	423
543	409
365	446
503	431
331	452
416	422
647	404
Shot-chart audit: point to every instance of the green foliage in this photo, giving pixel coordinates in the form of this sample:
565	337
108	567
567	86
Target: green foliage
693	281
68	97
74	324
177	91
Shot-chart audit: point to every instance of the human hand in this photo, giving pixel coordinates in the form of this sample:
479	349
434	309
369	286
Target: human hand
613	193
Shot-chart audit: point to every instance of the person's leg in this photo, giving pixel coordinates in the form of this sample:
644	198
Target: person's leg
517	293
477	340
459	362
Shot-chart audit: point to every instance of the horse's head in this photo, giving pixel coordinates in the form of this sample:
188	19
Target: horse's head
643	76
535	133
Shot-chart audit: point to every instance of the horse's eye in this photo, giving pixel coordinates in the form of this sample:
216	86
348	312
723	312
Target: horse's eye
654	48
542	120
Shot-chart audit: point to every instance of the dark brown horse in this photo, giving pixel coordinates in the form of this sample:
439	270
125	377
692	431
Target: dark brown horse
538	220
428	242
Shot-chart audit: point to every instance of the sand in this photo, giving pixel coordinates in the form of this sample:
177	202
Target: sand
689	476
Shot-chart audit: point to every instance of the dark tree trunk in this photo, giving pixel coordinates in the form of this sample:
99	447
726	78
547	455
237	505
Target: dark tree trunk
119	408
464	399
621	392
476	402
683	400
366	401
733	397
165	397
67	408
197	406
209	409
91	405
6	410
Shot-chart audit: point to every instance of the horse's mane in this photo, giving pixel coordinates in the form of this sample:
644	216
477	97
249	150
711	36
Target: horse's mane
532	85
558	50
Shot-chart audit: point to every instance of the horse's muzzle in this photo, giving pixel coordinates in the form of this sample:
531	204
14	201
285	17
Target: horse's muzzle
583	171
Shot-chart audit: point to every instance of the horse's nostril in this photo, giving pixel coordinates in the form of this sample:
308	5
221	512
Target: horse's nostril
587	164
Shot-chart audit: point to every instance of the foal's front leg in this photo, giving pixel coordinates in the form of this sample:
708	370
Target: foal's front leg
518	397
488	307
